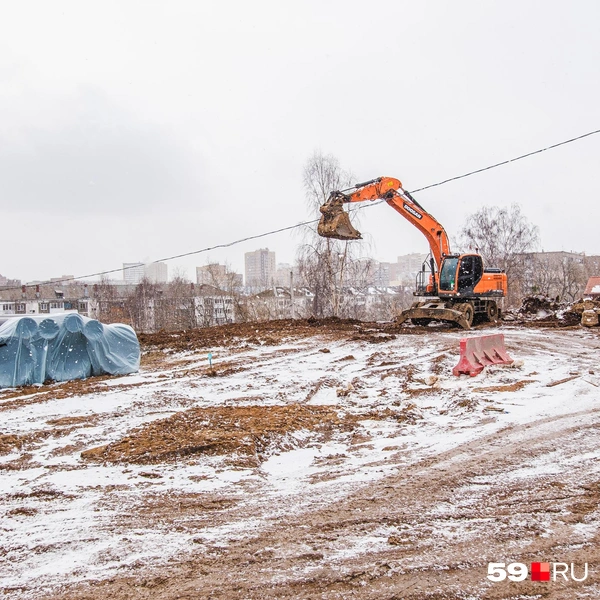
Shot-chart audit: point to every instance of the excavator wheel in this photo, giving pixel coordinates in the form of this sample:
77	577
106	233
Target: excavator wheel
468	311
491	311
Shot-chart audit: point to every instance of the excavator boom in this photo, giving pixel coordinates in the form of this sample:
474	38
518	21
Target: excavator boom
335	222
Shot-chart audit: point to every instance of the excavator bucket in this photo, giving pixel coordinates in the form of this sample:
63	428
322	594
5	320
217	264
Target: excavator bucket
335	222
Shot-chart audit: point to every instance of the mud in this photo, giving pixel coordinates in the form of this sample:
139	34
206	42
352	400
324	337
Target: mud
440	522
250	430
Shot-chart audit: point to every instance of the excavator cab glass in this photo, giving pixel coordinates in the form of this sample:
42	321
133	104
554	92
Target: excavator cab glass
470	272
448	274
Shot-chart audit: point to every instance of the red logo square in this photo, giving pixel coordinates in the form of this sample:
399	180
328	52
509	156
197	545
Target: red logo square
540	571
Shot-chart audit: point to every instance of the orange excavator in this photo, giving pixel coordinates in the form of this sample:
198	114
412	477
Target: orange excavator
451	287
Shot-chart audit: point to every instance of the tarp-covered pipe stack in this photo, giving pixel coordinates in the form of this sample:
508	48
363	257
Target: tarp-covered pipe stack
61	347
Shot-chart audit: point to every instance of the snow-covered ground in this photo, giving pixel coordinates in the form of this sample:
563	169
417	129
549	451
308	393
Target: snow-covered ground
65	519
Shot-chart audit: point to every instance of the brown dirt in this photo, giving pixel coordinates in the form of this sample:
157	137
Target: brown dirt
511	387
259	333
12	442
11	399
272	333
249	430
440	522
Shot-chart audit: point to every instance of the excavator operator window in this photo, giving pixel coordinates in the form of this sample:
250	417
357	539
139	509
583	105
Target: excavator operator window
448	274
465	273
469	272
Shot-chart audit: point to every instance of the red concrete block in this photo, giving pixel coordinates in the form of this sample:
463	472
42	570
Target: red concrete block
479	352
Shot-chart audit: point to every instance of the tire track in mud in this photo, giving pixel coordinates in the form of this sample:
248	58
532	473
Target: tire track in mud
433	528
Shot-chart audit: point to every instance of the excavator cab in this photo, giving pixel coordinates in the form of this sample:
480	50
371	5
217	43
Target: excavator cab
335	221
460	274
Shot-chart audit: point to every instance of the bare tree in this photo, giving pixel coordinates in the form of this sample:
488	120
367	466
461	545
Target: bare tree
323	262
591	266
502	236
543	276
560	275
111	306
178	309
572	279
141	304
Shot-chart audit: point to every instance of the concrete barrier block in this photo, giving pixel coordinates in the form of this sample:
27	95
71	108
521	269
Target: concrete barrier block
479	352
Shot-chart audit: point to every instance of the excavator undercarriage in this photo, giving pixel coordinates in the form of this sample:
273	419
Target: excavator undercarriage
461	313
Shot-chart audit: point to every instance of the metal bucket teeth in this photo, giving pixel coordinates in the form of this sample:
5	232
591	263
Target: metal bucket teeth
335	223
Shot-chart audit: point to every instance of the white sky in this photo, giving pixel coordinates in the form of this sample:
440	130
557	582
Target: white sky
139	130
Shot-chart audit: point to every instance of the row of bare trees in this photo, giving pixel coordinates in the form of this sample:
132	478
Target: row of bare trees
507	240
172	307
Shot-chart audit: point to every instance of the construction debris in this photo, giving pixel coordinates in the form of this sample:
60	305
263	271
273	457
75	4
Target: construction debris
545	312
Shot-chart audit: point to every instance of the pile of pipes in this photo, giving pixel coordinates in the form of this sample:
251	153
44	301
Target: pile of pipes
61	347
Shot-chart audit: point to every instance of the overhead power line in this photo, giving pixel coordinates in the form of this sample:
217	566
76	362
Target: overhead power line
506	162
304	223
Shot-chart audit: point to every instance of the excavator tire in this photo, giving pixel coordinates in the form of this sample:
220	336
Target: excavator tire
468	311
491	311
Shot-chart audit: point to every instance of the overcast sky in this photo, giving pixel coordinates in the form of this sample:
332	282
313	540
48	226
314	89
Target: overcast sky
140	130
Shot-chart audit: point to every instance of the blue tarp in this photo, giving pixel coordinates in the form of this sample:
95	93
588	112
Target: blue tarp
62	347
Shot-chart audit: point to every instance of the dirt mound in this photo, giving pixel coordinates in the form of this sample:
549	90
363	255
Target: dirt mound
249	431
534	305
272	333
260	333
545	312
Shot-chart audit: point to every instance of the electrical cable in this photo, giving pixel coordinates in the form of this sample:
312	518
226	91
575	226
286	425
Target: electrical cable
261	235
506	162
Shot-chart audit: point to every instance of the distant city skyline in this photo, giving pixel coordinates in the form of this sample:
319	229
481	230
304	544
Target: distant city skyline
160	273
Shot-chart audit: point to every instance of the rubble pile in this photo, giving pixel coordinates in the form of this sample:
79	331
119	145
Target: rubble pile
544	311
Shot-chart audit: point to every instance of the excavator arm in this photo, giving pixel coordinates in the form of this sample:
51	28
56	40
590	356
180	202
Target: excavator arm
335	222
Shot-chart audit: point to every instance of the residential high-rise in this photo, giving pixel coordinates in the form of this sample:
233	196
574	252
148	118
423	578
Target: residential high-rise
260	268
157	272
133	273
